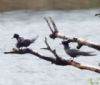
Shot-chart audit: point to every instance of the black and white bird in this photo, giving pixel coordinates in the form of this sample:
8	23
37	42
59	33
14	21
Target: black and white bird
75	52
21	42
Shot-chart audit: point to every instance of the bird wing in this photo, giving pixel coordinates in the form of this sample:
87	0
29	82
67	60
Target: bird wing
83	53
73	52
20	39
34	39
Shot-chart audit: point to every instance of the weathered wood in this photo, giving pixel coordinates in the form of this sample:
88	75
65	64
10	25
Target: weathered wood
81	42
48	24
57	60
61	62
54	25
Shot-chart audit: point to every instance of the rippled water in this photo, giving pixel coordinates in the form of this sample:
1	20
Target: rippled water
30	70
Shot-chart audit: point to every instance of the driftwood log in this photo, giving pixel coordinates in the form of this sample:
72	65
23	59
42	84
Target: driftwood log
81	42
57	60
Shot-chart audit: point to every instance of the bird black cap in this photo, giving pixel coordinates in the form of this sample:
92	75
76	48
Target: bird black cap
15	36
65	42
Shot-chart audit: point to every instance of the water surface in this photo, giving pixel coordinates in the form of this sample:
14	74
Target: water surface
28	69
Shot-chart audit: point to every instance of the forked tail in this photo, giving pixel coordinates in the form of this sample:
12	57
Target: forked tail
34	39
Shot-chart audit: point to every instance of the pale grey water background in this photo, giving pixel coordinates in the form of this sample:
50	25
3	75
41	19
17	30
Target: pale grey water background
30	70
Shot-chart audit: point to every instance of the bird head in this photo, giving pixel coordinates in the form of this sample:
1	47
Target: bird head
65	43
16	36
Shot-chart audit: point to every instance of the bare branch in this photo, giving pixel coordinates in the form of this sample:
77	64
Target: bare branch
81	42
60	61
54	25
55	31
49	49
48	24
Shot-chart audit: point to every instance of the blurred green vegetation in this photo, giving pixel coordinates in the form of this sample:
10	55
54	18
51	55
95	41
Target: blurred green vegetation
48	4
94	81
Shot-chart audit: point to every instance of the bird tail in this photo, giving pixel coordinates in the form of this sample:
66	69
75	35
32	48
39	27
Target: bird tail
91	54
88	54
34	39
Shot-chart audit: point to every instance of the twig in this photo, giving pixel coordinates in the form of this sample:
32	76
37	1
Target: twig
49	49
60	61
48	24
57	61
54	25
54	30
79	41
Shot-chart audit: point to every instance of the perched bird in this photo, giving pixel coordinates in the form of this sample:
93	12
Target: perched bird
97	14
21	42
75	52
